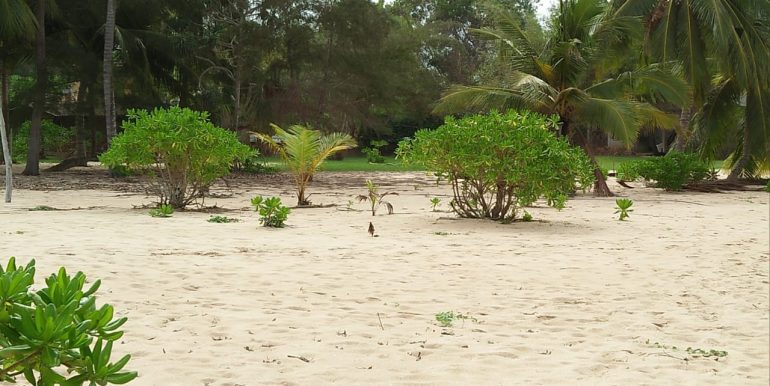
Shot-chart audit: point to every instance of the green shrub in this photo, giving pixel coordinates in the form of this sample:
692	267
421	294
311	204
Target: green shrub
162	210
271	212
55	140
56	335
373	154
178	151
670	172
497	163
767	188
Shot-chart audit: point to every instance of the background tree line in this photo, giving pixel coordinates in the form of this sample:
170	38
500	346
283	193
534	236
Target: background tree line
369	69
382	70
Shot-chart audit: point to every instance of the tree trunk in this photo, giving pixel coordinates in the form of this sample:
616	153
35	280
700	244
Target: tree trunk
6	156
237	94
680	143
109	96
33	144
740	166
5	74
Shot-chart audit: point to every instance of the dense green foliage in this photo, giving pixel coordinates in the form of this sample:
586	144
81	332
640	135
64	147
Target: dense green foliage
373	152
671	172
498	163
56	140
179	151
271	212
303	150
57	327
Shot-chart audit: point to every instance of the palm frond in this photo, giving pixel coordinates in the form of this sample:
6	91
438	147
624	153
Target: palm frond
16	20
460	99
616	117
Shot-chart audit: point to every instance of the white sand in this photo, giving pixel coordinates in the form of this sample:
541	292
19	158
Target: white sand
571	300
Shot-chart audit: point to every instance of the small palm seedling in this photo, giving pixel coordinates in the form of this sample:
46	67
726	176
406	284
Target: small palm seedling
222	219
623	207
527	217
375	198
434	203
271	212
163	210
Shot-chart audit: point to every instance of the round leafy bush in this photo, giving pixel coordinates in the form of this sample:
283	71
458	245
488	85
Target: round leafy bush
178	151
670	172
497	163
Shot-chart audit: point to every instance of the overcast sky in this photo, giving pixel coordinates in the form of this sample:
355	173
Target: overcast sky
543	7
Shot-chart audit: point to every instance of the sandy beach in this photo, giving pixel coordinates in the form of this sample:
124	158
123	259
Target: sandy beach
575	297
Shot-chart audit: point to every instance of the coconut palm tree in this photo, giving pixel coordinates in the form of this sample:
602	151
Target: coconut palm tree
303	150
581	75
723	46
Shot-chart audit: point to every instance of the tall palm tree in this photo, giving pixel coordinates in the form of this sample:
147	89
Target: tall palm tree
303	150
578	76
724	48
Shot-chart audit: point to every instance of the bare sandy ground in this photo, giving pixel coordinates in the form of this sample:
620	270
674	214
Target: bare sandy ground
575	298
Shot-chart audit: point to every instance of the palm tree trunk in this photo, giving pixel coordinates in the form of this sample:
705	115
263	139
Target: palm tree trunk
680	143
109	96
740	166
33	145
6	156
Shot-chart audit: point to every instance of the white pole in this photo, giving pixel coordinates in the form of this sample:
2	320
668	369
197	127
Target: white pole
6	155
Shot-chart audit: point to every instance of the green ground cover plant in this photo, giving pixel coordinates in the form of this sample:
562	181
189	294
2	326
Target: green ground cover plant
56	335
162	211
271	212
222	219
500	162
178	151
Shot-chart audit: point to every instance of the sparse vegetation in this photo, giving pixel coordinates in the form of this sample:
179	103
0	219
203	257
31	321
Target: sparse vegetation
447	318
375	198
42	208
271	212
693	352
57	335
222	219
162	211
434	202
527	217
623	207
